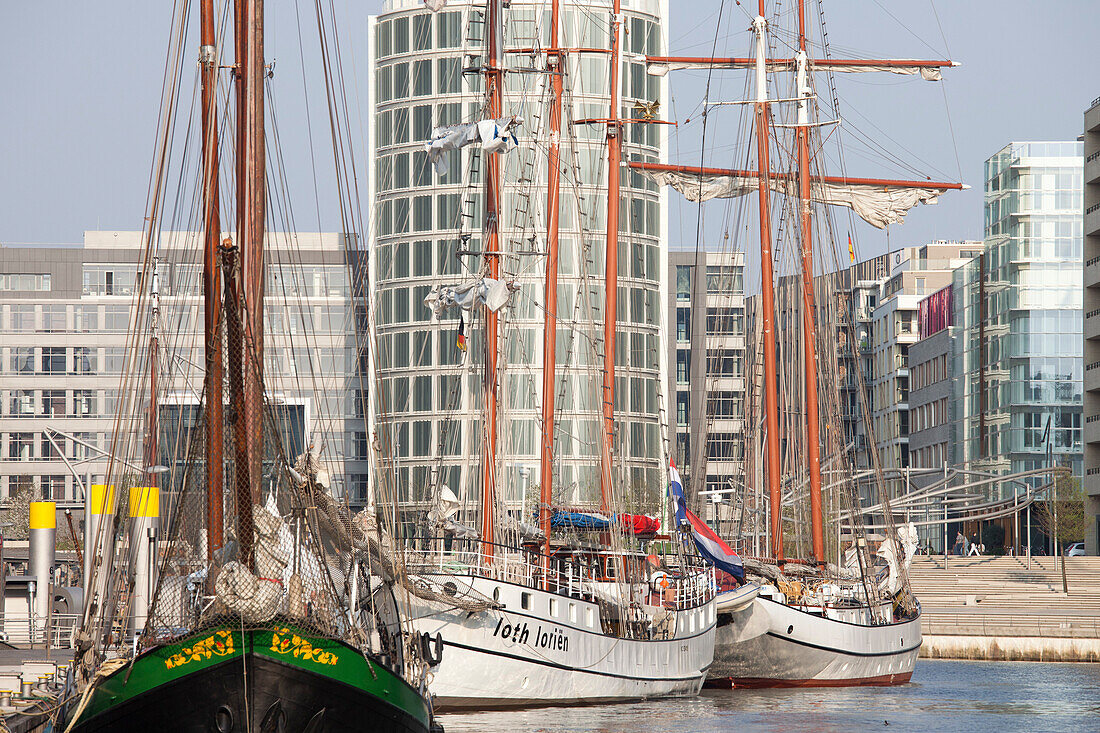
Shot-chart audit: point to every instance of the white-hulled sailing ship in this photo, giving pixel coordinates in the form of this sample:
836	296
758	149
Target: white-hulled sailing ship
807	622
580	607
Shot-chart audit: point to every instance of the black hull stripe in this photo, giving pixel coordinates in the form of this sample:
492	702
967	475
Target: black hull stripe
841	651
555	665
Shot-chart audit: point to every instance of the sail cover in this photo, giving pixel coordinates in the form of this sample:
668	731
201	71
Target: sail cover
710	546
928	73
877	205
639	523
495	136
579	520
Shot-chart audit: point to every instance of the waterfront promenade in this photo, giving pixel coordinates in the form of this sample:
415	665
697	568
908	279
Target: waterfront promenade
998	608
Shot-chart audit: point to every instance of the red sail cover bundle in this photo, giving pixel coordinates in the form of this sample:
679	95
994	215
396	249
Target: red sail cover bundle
640	523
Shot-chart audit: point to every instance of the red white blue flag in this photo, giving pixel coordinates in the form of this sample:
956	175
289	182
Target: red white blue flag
710	546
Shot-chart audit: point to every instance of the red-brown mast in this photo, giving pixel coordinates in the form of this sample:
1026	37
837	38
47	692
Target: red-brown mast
494	81
253	192
767	295
813	445
244	264
556	68
611	262
211	282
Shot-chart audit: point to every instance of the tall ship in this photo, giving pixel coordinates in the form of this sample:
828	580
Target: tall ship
564	591
827	602
239	594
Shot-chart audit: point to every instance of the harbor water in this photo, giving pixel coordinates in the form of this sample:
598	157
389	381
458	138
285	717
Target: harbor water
971	697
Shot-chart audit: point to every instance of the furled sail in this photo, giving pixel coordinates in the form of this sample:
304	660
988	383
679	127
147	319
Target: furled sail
905	67
878	205
494	136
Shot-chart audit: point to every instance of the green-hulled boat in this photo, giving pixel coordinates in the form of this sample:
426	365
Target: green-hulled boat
267	607
276	678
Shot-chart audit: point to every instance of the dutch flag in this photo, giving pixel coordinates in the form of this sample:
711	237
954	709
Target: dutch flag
710	546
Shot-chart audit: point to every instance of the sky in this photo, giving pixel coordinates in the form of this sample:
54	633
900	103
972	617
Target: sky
80	96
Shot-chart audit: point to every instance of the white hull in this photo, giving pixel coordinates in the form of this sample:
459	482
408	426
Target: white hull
770	644
549	649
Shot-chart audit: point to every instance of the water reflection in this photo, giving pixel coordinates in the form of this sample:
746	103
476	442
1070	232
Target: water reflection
964	696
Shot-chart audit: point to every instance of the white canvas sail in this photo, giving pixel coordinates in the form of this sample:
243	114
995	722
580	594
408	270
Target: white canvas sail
877	205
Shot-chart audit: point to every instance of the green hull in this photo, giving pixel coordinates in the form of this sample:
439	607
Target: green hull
281	674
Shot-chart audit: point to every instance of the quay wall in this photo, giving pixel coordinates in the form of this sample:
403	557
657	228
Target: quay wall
1011	649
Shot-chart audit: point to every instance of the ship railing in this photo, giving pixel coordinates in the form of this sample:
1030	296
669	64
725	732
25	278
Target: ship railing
694	588
31	631
562	575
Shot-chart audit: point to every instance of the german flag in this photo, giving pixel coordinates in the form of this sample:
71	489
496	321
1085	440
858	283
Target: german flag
851	249
462	334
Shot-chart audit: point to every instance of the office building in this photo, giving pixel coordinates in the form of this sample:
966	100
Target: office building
1091	308
706	326
426	230
1018	318
66	314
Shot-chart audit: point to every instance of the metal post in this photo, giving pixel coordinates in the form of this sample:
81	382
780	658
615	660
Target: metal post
945	545
144	522
99	502
43	530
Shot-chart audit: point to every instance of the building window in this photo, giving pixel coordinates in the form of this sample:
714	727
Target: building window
683	366
21	446
683	324
682	408
84	402
22	403
53	402
25	283
49	451
22	360
422	213
53	360
448	76
53	488
22	318
53	318
83	360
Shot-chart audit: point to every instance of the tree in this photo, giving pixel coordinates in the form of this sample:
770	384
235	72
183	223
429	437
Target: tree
1071	510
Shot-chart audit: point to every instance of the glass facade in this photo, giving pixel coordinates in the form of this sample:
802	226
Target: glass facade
428	404
1018	358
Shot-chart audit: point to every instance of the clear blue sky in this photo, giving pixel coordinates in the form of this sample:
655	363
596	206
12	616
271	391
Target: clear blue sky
81	83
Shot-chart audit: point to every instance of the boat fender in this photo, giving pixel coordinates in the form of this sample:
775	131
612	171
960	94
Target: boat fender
660	581
431	648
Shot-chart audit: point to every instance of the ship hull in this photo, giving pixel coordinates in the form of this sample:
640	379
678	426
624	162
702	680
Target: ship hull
254	681
528	653
770	644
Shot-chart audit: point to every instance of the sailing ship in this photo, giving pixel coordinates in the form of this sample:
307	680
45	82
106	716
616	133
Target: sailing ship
269	607
578	608
852	621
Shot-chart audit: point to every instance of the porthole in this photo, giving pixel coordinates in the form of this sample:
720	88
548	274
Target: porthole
223	719
790	629
496	593
525	601
450	589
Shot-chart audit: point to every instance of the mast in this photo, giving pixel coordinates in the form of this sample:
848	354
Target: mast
245	267
813	445
611	262
767	294
494	79
211	283
556	67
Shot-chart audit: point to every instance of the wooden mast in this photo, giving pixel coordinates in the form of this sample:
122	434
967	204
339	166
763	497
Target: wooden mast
767	294
556	68
211	283
494	80
244	266
611	261
813	445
